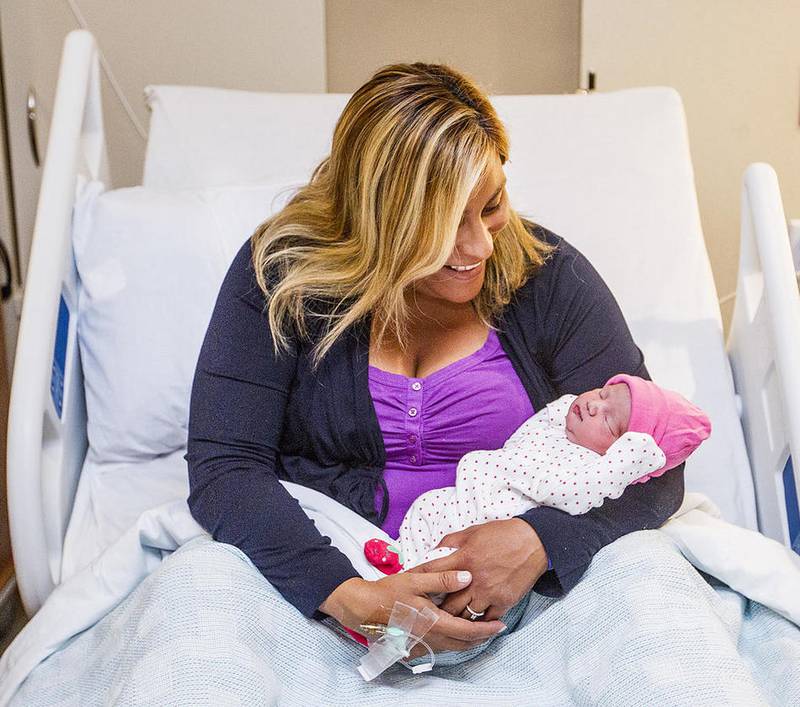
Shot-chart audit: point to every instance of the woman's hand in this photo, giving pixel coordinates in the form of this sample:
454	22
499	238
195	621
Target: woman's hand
356	601
505	557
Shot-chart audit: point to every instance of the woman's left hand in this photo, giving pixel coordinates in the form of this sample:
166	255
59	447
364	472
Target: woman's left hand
505	557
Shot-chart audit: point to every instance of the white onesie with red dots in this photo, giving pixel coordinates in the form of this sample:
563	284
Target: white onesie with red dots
537	466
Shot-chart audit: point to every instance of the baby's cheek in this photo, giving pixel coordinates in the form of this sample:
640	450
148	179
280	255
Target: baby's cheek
591	442
581	438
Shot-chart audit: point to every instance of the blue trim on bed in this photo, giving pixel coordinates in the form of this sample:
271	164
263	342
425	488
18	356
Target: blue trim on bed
792	508
60	356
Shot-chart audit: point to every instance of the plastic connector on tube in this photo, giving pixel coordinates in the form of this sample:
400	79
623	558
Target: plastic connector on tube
405	629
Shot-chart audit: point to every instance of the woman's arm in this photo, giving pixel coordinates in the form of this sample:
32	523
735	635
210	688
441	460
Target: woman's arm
585	342
235	422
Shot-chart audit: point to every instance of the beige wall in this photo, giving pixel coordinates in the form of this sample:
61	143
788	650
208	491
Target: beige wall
508	46
263	44
737	68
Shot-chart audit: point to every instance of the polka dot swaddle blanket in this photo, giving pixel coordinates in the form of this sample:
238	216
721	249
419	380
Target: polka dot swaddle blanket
537	465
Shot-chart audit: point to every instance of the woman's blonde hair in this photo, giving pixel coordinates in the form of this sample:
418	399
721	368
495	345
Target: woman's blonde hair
383	210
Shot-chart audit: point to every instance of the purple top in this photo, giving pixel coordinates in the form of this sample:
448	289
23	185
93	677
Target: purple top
429	423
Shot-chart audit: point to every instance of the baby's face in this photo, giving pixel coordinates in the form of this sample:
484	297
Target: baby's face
599	417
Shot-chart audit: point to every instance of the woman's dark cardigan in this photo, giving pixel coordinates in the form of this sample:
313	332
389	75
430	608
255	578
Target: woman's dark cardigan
255	419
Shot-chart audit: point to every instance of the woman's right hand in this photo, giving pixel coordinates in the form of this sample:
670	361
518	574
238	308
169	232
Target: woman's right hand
356	601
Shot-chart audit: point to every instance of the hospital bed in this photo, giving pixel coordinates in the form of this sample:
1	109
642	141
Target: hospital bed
611	173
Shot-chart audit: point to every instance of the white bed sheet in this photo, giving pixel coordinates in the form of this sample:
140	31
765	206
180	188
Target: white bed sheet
110	499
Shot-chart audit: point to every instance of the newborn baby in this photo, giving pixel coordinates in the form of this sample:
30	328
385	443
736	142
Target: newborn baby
571	455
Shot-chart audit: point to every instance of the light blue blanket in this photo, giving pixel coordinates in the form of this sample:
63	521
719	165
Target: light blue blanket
642	627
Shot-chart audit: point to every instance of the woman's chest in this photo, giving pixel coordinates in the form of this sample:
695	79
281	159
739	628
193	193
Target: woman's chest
336	416
475	402
428	350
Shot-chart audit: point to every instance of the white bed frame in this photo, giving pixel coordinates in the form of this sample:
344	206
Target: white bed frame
763	347
46	450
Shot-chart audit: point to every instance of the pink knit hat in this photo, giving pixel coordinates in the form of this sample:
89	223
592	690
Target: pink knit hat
677	426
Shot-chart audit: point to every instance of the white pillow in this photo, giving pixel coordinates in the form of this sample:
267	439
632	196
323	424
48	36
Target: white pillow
203	137
150	264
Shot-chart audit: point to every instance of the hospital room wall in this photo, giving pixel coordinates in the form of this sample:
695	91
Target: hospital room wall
514	46
737	68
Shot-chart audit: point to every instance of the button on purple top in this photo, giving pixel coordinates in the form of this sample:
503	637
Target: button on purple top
429	423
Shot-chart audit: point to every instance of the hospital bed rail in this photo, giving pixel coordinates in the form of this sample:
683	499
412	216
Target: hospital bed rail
47	423
763	347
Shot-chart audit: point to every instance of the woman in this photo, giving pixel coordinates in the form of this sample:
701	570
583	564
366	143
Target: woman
396	314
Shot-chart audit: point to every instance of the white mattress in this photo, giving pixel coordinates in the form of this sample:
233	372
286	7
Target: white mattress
110	498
